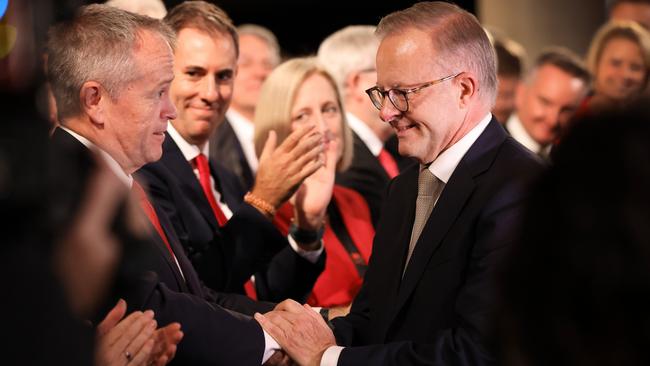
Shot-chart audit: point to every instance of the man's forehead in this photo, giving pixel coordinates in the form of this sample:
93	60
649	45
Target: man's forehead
403	58
198	41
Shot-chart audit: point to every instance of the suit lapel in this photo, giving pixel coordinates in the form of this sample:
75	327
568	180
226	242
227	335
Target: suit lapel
448	208
226	149
189	279
65	139
397	232
174	159
366	158
446	211
230	196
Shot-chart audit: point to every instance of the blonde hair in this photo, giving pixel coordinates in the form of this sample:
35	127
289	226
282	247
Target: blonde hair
456	35
273	110
619	29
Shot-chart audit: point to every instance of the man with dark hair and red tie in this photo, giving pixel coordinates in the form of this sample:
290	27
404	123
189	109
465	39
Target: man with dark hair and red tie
349	56
228	235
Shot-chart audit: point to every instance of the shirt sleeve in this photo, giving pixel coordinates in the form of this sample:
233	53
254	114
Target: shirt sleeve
331	356
310	255
270	347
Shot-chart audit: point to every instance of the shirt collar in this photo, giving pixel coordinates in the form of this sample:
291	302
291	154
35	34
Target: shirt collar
445	164
364	132
113	165
242	125
188	150
519	133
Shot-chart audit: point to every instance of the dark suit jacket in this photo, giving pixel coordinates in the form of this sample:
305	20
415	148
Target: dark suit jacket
226	149
366	176
213	335
403	162
226	257
438	313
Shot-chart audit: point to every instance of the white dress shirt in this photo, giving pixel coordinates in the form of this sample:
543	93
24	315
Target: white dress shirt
192	151
245	132
443	167
519	133
373	143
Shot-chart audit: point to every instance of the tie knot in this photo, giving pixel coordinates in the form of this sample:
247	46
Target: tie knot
201	163
201	160
426	182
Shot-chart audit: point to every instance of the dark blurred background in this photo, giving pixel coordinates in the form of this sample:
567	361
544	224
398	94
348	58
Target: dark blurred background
301	25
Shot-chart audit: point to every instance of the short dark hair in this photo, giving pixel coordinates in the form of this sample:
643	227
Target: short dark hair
565	60
508	63
202	16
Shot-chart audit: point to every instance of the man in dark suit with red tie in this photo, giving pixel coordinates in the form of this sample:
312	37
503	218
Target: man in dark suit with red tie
349	55
110	73
227	239
429	294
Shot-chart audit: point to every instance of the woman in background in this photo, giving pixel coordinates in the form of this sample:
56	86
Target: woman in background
619	61
301	92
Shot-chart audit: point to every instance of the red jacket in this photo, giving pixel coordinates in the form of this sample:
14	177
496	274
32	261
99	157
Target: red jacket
340	281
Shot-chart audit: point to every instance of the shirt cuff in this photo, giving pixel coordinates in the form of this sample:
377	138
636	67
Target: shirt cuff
310	255
270	346
331	356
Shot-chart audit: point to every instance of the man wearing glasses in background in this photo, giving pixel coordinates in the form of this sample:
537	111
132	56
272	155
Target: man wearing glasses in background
428	296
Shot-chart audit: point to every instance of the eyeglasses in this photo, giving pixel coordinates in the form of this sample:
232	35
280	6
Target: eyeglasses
399	97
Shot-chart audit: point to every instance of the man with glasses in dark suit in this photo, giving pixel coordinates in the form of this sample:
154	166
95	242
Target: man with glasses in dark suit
428	295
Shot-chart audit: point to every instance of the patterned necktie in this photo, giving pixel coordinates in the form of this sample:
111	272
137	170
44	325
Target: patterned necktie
202	165
429	188
388	162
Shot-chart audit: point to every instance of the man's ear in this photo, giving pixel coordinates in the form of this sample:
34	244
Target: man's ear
468	88
92	97
351	84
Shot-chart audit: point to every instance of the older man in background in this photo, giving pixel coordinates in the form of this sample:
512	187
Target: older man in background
349	55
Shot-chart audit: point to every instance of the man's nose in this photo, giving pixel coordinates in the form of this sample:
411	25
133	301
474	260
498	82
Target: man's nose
388	112
210	90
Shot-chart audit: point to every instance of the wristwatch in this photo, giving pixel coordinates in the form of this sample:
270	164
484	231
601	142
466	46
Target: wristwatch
306	237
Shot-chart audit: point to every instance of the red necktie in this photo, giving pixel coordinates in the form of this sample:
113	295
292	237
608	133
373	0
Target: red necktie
151	214
204	177
389	164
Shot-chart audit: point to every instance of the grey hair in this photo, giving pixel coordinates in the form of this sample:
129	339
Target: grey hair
265	35
96	44
153	8
456	35
348	50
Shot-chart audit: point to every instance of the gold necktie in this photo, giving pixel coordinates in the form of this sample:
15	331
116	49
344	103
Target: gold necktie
429	188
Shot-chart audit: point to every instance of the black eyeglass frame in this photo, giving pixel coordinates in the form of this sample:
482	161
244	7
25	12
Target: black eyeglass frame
395	92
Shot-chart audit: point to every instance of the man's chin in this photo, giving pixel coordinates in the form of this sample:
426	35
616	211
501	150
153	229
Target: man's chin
154	156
